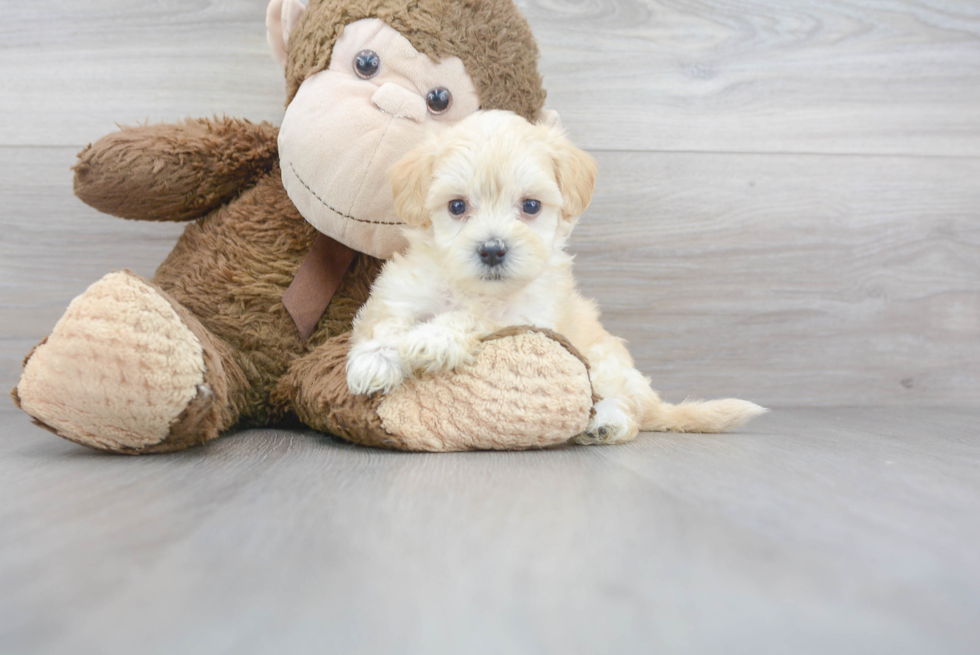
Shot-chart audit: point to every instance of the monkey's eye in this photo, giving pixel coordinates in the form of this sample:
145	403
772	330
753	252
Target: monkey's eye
438	100
367	63
531	207
457	207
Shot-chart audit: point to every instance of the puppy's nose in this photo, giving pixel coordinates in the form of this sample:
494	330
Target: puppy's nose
400	102
492	252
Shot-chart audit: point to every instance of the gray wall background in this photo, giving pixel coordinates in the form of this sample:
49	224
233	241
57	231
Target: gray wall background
788	205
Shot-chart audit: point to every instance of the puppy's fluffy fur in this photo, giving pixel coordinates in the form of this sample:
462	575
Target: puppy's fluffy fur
494	200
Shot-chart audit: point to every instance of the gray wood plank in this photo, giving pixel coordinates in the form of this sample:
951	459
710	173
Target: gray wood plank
70	70
53	246
824	76
829	76
790	280
812	531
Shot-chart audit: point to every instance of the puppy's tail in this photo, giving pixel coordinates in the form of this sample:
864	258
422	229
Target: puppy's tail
699	415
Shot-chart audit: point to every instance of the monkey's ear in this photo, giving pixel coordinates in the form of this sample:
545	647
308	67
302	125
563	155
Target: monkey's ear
280	19
410	180
575	171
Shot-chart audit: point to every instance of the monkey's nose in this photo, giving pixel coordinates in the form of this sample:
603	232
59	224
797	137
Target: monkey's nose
399	101
492	252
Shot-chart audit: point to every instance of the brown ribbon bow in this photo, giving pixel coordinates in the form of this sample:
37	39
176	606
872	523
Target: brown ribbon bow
316	282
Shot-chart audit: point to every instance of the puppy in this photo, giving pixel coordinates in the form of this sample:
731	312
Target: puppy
494	200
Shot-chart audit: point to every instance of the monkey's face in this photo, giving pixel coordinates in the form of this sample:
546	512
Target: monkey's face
348	124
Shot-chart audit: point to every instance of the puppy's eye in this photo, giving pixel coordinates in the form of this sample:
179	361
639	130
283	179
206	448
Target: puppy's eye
531	207
439	100
367	63
457	207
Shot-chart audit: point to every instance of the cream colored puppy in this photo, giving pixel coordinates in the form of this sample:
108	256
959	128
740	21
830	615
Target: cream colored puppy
494	200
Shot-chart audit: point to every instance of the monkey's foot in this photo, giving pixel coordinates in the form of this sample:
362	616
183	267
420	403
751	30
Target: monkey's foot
122	371
525	388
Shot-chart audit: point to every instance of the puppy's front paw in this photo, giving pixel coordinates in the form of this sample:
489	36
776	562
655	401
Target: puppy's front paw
433	348
611	424
372	366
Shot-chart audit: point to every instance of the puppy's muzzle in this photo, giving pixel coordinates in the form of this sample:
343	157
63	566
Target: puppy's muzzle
492	252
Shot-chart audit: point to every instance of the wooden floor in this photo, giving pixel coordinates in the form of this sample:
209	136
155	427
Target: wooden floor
815	531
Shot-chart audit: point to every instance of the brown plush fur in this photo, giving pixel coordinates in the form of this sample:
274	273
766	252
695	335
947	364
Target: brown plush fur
228	272
245	255
316	389
220	400
491	37
174	172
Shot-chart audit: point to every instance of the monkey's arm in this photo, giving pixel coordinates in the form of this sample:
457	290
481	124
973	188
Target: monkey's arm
174	172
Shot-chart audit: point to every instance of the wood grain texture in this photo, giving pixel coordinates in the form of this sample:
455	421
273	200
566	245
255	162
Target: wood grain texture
743	239
821	76
789	280
830	76
774	273
70	70
52	247
813	531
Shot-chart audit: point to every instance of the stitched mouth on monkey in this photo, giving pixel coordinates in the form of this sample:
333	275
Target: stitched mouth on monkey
341	133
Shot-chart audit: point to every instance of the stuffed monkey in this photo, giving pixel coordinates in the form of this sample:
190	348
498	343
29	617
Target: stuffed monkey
247	320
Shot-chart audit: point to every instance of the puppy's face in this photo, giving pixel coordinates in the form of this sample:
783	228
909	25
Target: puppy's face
496	196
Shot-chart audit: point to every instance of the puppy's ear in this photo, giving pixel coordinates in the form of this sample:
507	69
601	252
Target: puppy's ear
550	118
575	171
410	180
